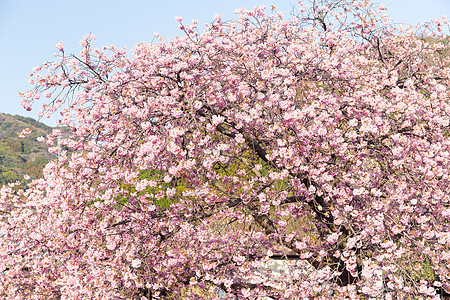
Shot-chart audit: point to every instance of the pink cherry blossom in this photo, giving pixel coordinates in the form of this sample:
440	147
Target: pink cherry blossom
193	163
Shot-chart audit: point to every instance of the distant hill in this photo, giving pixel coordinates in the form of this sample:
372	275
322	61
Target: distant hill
20	156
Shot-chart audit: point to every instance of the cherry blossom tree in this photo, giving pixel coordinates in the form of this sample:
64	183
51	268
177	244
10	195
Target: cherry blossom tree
323	138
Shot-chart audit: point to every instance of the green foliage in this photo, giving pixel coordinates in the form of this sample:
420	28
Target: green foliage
162	186
20	156
9	176
427	271
151	192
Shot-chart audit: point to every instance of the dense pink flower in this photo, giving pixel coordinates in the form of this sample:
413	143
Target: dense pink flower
191	163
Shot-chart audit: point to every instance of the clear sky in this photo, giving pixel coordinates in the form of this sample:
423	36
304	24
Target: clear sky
30	29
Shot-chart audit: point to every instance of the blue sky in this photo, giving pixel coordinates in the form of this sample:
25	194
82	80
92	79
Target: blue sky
30	29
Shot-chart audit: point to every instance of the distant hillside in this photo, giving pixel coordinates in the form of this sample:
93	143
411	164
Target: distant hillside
20	156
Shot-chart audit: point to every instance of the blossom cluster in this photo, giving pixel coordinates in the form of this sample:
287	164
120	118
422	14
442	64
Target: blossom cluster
194	161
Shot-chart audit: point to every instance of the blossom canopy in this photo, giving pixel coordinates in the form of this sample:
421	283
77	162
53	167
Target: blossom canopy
322	140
